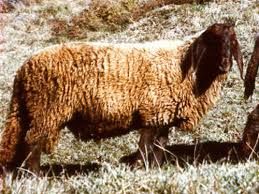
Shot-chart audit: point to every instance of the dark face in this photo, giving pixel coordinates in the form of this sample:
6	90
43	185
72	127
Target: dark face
226	59
218	38
211	55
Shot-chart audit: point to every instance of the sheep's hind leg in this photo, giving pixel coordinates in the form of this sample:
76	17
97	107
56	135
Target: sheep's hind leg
32	160
42	137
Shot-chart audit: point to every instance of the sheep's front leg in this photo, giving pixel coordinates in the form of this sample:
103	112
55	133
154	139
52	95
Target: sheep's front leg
160	143
145	147
151	148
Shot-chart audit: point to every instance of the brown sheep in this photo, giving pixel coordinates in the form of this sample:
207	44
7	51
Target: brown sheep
102	90
251	71
247	148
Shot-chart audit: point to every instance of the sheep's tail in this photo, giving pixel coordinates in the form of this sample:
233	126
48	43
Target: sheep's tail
14	131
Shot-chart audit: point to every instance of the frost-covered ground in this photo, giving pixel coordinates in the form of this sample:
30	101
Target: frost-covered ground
27	29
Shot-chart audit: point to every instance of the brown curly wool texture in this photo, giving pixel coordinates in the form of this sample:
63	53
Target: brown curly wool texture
102	90
251	71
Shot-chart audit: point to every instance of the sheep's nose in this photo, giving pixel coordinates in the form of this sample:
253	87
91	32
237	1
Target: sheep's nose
224	67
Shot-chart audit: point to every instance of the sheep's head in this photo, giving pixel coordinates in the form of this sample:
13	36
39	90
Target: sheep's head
251	71
211	55
221	38
251	133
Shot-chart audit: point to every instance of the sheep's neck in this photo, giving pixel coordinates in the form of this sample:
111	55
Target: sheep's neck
197	106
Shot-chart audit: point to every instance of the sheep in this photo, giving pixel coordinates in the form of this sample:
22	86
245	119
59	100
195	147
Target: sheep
212	151
105	90
251	71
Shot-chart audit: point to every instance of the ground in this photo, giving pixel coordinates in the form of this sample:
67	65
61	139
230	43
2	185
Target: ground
27	26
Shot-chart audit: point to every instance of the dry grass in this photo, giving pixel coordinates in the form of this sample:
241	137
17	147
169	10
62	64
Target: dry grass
28	28
108	16
10	5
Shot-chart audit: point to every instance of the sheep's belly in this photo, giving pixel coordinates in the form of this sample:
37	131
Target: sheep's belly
86	130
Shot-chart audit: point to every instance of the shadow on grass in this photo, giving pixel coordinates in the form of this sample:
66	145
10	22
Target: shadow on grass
53	170
211	152
69	169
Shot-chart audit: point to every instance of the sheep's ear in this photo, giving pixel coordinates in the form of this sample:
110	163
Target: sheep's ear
187	62
251	71
193	57
199	51
236	52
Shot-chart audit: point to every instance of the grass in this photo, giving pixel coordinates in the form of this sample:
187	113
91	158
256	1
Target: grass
30	27
110	179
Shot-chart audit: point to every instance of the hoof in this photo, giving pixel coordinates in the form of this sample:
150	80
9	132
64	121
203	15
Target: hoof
128	159
134	160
